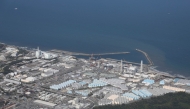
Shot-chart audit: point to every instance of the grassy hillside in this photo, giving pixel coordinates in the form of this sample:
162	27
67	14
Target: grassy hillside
179	100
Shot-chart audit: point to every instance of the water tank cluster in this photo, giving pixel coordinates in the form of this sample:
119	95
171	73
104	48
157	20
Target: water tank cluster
120	100
142	93
62	85
83	92
105	102
82	83
146	92
97	83
131	95
159	91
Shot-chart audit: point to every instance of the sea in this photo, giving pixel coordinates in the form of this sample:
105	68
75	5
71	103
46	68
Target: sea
159	27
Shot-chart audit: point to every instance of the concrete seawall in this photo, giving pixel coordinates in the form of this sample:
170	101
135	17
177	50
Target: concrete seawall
147	57
85	54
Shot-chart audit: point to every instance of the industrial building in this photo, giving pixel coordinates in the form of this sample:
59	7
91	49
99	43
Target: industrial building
45	55
176	89
51	79
45	103
28	79
148	81
12	81
182	82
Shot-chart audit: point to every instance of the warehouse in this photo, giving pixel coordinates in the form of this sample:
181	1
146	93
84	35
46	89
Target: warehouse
45	103
174	88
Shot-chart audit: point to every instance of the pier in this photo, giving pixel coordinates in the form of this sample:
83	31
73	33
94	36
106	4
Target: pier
100	54
85	54
147	57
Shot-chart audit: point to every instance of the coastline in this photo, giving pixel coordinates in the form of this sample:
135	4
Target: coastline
65	75
151	63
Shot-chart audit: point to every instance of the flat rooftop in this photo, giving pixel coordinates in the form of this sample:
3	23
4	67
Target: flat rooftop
45	103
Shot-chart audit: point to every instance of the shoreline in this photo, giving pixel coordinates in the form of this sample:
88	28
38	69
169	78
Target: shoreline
74	77
151	63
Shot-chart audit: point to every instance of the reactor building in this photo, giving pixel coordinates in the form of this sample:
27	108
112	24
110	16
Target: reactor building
38	53
44	55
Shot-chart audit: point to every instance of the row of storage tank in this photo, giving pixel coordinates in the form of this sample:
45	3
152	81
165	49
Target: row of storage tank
62	85
119	100
83	92
97	83
137	94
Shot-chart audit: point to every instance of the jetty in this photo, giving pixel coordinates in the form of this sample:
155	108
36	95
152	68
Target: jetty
100	54
147	57
86	54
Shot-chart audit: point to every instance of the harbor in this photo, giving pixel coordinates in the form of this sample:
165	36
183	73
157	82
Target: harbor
100	54
57	79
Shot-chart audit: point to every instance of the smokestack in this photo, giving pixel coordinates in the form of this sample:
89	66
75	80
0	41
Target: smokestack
141	66
121	66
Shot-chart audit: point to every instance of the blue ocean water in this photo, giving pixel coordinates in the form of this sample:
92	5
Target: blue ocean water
161	28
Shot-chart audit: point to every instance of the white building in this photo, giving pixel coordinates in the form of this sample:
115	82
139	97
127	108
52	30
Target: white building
176	89
132	69
38	53
47	55
28	79
46	74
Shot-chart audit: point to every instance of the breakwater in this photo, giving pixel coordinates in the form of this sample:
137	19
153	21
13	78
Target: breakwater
147	57
85	54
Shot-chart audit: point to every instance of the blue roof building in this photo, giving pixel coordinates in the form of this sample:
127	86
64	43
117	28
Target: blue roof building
175	80
148	81
97	83
162	82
